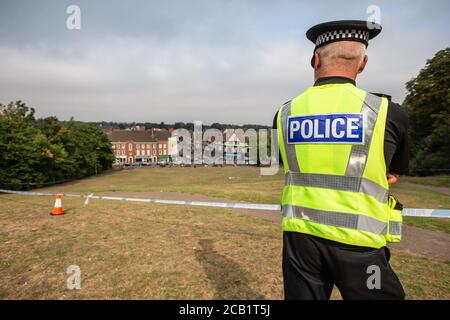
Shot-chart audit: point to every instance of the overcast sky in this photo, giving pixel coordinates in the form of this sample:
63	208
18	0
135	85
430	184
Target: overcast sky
214	61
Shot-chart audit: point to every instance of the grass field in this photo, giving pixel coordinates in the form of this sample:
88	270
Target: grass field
246	184
133	250
438	181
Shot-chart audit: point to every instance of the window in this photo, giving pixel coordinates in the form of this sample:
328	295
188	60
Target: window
148	152
138	146
165	152
123	146
130	146
159	152
165	146
138	152
154	152
159	146
148	146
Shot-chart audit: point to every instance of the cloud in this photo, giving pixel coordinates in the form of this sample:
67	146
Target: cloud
146	81
224	61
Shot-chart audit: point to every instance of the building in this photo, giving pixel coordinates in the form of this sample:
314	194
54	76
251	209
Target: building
236	146
150	146
233	148
139	146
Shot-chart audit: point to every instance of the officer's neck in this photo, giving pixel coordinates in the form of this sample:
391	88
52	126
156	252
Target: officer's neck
338	73
334	78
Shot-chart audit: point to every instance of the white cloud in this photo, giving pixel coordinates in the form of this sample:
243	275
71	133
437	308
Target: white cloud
145	81
230	63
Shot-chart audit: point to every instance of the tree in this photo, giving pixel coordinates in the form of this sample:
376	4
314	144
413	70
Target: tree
89	150
22	147
428	107
36	152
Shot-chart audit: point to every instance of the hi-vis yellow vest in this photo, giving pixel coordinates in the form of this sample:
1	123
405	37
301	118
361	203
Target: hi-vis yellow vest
331	141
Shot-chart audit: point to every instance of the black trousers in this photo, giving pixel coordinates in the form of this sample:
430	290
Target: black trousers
312	265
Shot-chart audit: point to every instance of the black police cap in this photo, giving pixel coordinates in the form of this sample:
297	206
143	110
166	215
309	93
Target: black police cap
343	30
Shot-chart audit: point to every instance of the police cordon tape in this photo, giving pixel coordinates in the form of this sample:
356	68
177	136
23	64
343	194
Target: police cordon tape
409	212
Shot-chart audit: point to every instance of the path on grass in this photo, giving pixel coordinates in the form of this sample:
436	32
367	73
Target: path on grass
429	243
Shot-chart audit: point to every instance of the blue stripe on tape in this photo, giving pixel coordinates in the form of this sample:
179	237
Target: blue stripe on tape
408	212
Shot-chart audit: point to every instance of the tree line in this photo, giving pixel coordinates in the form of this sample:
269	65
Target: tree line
35	152
176	125
428	108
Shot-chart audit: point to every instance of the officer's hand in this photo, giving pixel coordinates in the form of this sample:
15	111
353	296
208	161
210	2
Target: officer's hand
392	178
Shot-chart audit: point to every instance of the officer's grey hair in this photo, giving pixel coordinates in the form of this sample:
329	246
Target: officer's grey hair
350	53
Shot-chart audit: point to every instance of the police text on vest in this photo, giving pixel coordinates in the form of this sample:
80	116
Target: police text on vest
346	128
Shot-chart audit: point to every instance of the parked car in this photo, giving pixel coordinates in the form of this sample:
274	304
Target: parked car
162	163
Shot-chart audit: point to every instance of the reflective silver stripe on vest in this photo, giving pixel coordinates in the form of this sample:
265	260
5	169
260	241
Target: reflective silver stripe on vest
358	154
336	182
338	219
395	228
291	156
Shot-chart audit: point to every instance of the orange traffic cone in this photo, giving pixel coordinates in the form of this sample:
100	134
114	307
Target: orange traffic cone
57	209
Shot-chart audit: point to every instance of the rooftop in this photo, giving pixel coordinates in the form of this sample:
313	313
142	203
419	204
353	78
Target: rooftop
137	135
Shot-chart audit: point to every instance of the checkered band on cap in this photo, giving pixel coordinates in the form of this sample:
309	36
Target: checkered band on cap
343	34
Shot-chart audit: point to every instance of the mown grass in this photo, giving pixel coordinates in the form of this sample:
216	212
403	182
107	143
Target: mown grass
247	184
439	224
415	196
130	251
241	183
438	181
143	251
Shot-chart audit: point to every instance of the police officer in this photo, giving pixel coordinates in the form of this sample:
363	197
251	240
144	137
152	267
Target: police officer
341	147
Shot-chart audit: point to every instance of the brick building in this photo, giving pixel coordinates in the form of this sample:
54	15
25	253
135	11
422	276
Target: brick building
139	146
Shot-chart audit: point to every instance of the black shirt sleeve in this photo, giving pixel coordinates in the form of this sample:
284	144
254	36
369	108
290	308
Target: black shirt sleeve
274	126
396	144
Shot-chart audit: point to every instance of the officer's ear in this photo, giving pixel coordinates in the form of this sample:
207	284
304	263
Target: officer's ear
362	66
316	61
